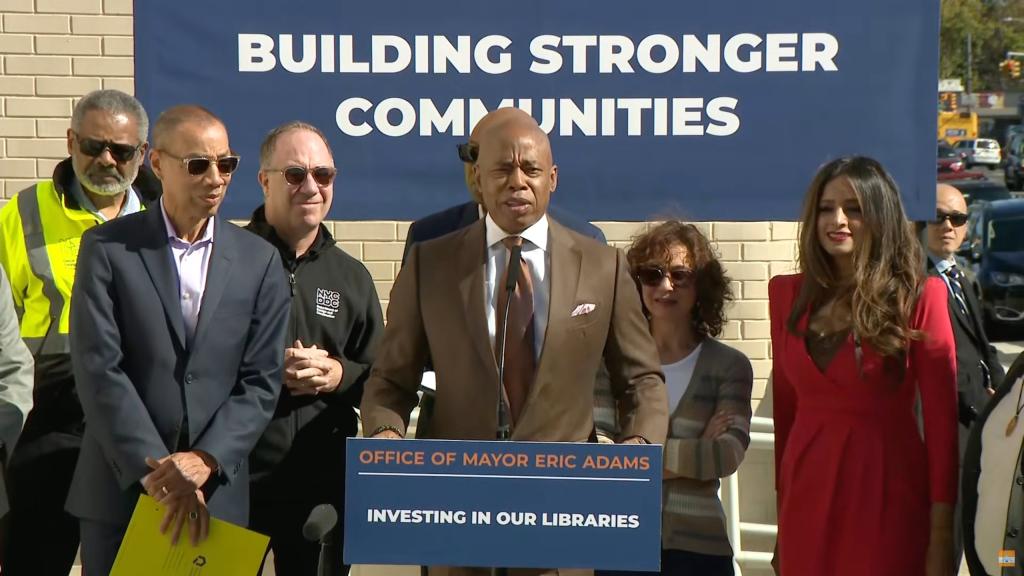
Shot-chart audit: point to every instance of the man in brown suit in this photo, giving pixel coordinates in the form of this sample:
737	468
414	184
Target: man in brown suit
580	304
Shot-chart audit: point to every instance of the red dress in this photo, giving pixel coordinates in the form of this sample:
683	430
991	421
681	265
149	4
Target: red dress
855	480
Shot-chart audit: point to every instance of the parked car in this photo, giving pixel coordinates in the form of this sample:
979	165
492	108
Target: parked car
963	175
995	250
980	190
979	151
949	160
1013	165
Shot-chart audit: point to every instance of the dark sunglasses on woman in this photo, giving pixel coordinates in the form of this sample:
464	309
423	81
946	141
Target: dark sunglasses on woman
652	276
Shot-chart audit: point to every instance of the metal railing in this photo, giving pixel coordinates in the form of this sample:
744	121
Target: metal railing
762	437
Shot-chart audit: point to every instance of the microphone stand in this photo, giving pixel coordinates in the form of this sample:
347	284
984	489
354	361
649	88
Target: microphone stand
504	431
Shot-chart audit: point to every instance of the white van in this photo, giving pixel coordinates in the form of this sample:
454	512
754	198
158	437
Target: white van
979	151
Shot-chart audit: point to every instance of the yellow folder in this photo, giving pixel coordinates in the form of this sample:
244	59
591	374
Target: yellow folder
229	551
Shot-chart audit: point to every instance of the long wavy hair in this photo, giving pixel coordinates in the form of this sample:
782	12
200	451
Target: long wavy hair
888	275
714	290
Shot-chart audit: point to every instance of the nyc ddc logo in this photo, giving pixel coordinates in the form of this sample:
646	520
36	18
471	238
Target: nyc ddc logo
327	303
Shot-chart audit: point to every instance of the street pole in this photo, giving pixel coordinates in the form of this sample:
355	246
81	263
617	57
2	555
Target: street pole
970	72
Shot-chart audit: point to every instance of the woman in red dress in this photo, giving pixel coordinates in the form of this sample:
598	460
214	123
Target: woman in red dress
857	337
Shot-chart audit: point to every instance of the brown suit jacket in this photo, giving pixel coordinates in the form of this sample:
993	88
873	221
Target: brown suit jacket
437	305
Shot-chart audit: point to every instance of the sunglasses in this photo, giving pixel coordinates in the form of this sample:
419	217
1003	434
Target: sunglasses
652	276
295	175
198	165
120	152
955	218
468	152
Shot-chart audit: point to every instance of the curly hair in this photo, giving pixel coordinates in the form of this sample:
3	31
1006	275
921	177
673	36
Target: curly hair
888	271
713	286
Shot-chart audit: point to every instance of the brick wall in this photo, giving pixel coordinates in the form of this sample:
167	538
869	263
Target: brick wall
52	51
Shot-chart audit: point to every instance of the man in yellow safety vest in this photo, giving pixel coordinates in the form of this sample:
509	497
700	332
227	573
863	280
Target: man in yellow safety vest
40	230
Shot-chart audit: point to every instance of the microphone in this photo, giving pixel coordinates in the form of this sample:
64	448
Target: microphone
504	431
317	528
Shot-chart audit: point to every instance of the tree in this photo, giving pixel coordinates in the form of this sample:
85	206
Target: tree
995	28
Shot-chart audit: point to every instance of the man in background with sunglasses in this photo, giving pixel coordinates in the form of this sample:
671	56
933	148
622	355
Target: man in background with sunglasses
979	372
177	342
335	325
40	229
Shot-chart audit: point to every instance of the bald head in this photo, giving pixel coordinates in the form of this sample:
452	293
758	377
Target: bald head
175	117
486	123
514	172
944	238
949	196
490	119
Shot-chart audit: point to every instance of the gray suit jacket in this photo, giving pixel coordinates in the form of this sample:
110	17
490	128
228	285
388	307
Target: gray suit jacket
143	390
16	367
15	370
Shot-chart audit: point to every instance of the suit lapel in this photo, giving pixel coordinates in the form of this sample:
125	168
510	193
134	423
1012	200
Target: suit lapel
218	273
564	269
974	306
156	256
954	308
471	262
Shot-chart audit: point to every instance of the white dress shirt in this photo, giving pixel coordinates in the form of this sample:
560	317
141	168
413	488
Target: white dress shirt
191	260
537	257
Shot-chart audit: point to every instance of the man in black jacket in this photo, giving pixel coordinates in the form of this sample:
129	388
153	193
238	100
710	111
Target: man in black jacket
334	327
978	370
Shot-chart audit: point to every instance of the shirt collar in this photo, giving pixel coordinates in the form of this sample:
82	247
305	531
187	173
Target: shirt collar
942	264
173	234
536	234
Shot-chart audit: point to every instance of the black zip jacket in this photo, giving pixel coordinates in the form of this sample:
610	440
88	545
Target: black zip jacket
335	306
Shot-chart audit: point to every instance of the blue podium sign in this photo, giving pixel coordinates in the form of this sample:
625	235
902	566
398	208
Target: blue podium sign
508	504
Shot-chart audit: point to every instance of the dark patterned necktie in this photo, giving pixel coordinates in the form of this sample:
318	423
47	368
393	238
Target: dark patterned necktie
519	360
955	277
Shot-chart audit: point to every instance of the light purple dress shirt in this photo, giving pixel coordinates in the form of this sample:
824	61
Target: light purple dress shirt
191	261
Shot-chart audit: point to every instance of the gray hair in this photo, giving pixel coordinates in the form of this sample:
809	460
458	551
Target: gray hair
114	102
267	147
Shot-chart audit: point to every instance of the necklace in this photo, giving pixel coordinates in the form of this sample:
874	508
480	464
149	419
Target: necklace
1012	424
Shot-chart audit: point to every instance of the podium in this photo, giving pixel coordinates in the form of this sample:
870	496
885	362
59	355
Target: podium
508	504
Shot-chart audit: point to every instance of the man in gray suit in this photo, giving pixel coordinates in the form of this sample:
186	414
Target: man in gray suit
15	381
178	321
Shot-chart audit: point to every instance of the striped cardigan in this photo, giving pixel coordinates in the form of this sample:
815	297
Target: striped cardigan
692	514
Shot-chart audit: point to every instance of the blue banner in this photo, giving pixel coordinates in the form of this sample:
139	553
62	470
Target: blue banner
506	504
709	111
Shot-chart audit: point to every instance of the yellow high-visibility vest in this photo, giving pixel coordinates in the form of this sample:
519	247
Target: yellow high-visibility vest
39	239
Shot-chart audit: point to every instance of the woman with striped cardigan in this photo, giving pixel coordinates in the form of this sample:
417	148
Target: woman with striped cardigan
684	291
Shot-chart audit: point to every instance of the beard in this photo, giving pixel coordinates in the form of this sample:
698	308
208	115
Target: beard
120	185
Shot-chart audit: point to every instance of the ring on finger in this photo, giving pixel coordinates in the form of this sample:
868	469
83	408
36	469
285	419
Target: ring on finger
193	515
164	490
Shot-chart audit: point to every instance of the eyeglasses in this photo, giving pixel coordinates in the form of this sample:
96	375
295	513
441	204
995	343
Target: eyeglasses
198	165
468	152
295	175
957	219
652	276
121	153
